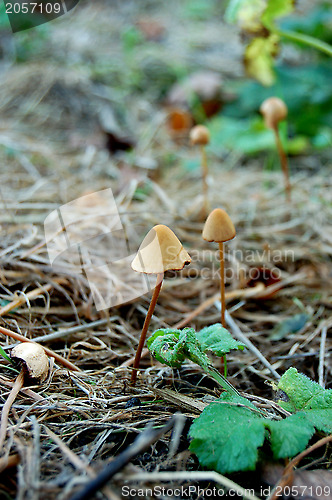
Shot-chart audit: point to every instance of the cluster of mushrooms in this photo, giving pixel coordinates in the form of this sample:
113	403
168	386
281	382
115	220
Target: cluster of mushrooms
159	252
162	251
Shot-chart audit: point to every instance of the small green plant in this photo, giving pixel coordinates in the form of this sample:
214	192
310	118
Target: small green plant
229	433
172	347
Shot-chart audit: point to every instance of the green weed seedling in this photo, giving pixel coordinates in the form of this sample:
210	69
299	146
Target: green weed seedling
172	347
229	433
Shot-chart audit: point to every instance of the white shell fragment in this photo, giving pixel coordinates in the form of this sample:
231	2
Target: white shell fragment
34	359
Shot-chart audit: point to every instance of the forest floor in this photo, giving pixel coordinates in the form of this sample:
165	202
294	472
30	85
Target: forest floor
84	108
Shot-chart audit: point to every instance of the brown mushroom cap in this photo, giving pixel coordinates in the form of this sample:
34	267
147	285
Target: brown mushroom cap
199	135
33	358
160	251
274	110
218	227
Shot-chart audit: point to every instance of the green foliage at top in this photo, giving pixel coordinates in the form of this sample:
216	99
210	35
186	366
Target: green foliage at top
306	91
317	24
260	19
227	435
274	10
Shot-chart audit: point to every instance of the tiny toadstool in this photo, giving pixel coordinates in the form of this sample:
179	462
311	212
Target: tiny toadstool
274	110
199	135
34	366
160	251
219	228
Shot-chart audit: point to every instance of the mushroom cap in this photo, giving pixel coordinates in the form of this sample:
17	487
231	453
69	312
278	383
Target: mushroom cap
218	227
199	135
274	110
160	251
33	358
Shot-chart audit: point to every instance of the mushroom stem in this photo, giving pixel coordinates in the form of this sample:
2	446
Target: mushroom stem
222	283
283	162
222	299
6	407
204	180
152	305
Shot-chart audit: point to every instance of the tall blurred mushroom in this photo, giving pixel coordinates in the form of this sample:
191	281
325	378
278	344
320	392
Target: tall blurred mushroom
160	251
199	135
219	228
274	110
34	366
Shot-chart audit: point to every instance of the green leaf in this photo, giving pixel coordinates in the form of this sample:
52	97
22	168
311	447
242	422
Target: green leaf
290	436
297	392
321	419
289	325
259	58
166	347
246	14
218	340
4	355
253	15
226	437
172	347
193	347
274	10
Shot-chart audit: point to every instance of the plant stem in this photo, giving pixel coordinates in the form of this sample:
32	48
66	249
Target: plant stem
204	180
152	305
283	162
306	40
221	380
6	407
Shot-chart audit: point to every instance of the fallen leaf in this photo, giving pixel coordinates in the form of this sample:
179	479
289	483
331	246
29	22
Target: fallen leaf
307	484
